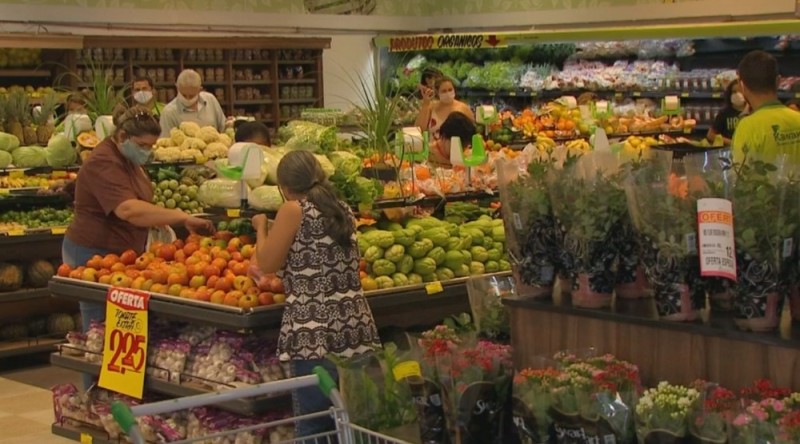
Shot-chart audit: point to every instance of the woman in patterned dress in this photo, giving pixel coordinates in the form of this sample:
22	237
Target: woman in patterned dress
312	246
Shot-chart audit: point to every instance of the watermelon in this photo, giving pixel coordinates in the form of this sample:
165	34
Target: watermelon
60	324
10	277
39	273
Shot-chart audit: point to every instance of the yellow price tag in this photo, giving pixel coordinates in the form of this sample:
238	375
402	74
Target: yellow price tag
618	95
233	212
58	230
59	174
16	232
797	95
86	438
716	95
687	131
407	369
16	174
125	345
434	287
685	94
512	94
4	191
534	93
637	94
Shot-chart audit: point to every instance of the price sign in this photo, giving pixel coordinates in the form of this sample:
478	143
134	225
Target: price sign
16	232
125	347
58	230
434	287
406	369
233	212
715	233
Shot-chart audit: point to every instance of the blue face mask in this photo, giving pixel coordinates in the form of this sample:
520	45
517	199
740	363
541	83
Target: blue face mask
135	153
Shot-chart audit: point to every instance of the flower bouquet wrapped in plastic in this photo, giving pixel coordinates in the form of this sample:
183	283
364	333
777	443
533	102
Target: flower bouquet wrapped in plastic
711	414
662	414
589	203
765	210
663	211
532	402
757	422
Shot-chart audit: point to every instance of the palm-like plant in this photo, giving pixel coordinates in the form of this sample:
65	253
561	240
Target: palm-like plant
17	108
103	95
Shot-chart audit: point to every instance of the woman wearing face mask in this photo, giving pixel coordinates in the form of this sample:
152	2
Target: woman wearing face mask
734	110
113	212
434	112
192	104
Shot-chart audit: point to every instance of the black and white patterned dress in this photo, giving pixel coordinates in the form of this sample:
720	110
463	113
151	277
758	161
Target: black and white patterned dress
326	312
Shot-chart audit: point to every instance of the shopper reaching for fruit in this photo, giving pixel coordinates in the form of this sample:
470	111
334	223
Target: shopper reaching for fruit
113	212
434	112
312	245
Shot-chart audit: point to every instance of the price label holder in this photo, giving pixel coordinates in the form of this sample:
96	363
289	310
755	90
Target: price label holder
512	94
716	95
125	345
716	241
86	438
684	94
59	174
406	369
234	212
434	287
4	191
57	231
16	232
637	94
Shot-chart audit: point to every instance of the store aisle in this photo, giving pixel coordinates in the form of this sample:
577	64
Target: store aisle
26	413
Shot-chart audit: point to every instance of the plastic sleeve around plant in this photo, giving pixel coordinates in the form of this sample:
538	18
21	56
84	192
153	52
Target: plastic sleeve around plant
326	383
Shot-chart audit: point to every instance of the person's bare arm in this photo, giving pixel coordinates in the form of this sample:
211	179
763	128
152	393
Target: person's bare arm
145	214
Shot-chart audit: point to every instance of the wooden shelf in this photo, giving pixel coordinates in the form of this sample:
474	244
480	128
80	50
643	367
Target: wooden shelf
297	81
143	63
193	64
216	83
252	82
253	102
297	62
13	72
26	294
296	101
251	62
28	346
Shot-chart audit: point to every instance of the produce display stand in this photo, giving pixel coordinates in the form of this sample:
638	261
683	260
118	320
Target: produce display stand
244	406
75	431
715	350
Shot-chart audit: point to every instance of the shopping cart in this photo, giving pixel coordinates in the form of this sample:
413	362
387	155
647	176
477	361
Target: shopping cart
345	433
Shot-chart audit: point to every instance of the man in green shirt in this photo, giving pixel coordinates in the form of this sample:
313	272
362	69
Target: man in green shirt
772	129
143	93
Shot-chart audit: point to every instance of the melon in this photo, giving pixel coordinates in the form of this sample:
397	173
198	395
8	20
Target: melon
60	324
10	332
39	273
10	277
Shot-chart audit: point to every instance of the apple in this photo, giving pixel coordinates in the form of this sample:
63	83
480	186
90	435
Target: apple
202	294
206	242
234	245
276	285
218	297
120	279
224	284
175	289
248	251
119	266
179	257
158	288
223	236
137	282
187	293
143	261
167	252
248	301
89	275
236	256
211	270
106	280
232	298
147	285
243	283
265	298
95	262
109	260
197	281
128	257
64	270
279	298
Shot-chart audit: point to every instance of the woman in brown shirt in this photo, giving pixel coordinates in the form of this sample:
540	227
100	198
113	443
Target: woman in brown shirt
113	212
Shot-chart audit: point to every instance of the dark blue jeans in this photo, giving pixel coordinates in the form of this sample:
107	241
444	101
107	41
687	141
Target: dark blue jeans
311	399
75	255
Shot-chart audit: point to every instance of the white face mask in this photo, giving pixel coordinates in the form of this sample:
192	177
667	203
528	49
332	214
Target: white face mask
737	100
447	97
143	97
186	102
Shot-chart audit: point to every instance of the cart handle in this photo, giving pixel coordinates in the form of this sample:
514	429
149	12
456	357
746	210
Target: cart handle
326	383
123	415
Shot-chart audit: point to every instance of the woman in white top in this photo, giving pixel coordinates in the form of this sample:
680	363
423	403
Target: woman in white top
434	112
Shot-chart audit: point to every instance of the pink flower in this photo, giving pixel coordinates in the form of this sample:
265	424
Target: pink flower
742	420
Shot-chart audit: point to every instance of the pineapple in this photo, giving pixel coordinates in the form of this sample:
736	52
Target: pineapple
17	108
28	132
44	120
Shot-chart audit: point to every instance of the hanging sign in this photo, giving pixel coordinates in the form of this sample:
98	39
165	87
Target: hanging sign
125	345
715	231
446	41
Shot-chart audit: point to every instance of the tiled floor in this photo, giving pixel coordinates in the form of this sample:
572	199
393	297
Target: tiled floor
26	405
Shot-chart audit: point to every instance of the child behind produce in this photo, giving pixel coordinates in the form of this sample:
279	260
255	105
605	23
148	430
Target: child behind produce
456	125
253	132
312	246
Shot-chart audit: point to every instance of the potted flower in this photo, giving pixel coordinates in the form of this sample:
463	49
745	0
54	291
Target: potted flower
711	413
662	413
533	399
608	399
789	428
757	423
663	212
589	203
765	223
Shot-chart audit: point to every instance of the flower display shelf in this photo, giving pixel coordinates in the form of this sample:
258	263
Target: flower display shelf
713	350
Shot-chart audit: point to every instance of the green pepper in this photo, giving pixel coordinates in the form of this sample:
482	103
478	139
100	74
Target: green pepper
414	279
404	237
406	264
454	259
379	238
438	236
384	282
492	266
476	268
494	255
505	265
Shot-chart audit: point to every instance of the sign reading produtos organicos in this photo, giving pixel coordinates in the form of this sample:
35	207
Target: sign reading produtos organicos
445	41
125	345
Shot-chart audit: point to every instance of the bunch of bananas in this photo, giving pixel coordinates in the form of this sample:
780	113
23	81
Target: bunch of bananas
544	143
580	145
24	182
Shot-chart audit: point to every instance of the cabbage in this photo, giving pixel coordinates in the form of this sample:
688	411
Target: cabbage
272	158
59	152
29	157
265	198
326	165
223	193
8	142
5	159
346	162
309	136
